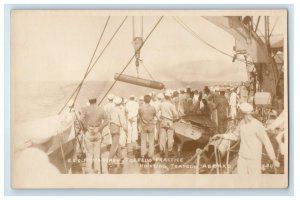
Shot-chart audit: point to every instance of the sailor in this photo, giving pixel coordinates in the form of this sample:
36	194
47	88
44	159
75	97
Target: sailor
168	115
222	111
197	104
196	97
175	99
31	164
233	103
277	128
209	94
160	98
95	119
243	93
147	115
252	134
117	121
200	100
181	103
141	103
205	110
108	107
131	109
141	100
189	103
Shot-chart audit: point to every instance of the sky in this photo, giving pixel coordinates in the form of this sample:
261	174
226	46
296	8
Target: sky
58	45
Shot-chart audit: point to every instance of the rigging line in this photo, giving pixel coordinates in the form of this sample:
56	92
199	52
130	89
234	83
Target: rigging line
256	26
115	81
147	70
80	85
78	88
275	23
259	31
133	30
142	24
188	29
92	66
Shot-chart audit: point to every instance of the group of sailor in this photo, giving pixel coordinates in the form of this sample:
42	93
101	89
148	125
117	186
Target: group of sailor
146	120
150	119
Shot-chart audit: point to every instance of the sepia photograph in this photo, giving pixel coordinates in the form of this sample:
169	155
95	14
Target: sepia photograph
149	99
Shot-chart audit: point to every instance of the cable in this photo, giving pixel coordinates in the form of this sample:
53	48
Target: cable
80	85
78	90
192	32
92	66
275	23
142	24
187	28
133	27
147	70
130	60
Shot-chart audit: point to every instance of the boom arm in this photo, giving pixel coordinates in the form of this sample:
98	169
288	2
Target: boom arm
249	42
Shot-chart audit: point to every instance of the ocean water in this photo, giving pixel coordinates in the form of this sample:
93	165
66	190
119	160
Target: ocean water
32	100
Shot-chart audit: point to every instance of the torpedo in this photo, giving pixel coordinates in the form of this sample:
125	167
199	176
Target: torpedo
139	81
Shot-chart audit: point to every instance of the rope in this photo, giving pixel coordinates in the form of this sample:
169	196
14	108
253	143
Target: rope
115	81
147	70
87	72
92	66
133	28
80	85
62	152
275	23
193	33
142	24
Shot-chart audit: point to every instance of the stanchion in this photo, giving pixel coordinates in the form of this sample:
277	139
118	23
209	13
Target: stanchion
198	152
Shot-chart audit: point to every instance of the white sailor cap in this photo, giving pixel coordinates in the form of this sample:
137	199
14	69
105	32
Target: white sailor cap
117	100
160	96
168	93
110	97
221	89
246	108
141	98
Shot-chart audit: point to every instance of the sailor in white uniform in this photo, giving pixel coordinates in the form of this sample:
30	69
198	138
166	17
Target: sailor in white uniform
252	134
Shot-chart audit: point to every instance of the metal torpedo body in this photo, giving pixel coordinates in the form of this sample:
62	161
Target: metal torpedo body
139	81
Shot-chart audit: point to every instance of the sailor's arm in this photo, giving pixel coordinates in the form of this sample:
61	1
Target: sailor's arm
264	138
235	135
105	120
123	121
229	136
175	113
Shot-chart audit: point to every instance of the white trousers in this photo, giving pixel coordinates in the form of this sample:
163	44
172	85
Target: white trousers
248	166
132	134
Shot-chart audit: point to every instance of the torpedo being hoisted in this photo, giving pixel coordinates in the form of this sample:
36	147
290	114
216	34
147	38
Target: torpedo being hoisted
139	81
137	43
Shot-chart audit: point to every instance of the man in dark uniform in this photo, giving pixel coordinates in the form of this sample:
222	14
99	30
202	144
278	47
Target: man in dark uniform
222	110
94	120
147	113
